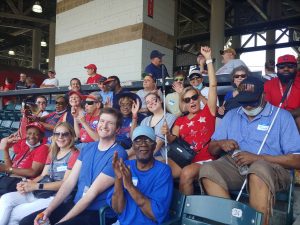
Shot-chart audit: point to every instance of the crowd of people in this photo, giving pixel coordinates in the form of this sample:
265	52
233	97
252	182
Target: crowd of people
110	147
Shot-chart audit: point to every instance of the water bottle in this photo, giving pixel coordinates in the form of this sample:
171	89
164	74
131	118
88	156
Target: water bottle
41	221
243	170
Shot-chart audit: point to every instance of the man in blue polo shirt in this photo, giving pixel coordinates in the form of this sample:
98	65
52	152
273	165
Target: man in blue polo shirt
245	128
143	187
155	67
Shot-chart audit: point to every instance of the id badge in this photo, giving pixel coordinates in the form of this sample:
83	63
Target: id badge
85	190
61	168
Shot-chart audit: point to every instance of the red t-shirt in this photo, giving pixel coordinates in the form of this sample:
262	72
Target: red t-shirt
197	132
94	79
24	157
93	123
274	94
8	87
72	159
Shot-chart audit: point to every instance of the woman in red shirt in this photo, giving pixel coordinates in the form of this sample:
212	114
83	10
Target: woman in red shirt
7	87
196	128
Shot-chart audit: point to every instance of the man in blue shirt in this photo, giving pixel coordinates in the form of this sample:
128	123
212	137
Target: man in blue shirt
155	67
245	128
143	187
93	175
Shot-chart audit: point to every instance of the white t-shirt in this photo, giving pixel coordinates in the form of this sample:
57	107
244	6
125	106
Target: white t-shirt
204	92
53	81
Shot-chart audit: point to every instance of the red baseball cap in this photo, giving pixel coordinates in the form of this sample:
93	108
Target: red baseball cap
77	93
108	80
37	125
286	59
91	66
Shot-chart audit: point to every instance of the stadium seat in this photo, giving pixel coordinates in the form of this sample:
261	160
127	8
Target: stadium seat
208	210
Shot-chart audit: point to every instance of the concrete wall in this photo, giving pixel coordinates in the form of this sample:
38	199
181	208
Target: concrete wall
115	36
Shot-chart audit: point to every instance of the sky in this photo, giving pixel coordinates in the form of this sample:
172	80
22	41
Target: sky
256	60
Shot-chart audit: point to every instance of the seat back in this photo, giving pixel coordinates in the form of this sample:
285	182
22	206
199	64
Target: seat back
203	209
6	124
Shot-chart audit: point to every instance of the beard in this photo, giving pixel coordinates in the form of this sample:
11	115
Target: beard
286	77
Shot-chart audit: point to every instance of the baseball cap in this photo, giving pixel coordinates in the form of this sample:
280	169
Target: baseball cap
91	66
286	59
131	95
76	93
143	131
51	71
37	125
94	95
228	50
156	54
194	73
102	80
250	91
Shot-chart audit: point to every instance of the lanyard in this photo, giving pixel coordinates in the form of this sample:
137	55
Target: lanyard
281	91
103	165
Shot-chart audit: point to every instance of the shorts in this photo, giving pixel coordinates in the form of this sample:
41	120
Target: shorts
225	173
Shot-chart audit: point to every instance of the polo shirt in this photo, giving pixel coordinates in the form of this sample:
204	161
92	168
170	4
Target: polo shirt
283	138
94	79
156	71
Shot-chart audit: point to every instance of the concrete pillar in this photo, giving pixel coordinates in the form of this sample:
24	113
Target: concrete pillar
51	64
274	12
36	48
217	19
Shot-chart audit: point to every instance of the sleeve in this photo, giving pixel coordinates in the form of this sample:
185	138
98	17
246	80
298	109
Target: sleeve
267	91
57	82
41	154
73	159
162	194
83	150
108	169
17	147
289	129
148	69
221	130
145	122
228	96
178	121
48	160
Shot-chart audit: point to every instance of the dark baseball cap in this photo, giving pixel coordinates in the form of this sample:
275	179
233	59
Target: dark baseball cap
250	91
156	54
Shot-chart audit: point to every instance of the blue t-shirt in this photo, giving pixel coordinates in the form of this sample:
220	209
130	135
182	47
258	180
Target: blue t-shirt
105	95
123	136
95	162
283	138
157	185
156	71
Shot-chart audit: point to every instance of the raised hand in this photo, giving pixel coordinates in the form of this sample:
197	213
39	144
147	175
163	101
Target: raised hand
108	103
165	129
206	52
126	175
178	87
135	107
116	166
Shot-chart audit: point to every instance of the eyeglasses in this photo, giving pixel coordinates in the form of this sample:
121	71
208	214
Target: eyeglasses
194	98
140	141
179	79
239	76
195	78
44	103
61	134
126	105
155	99
59	103
90	102
288	65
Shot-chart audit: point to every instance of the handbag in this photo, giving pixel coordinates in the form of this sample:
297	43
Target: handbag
8	184
180	152
44	193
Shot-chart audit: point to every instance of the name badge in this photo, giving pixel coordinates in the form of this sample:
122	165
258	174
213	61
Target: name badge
61	168
262	127
171	102
135	181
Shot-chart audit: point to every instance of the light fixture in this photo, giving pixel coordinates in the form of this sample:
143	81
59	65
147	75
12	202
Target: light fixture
37	7
43	43
47	60
11	52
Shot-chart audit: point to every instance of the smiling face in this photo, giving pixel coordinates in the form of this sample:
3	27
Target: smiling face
191	99
238	77
62	136
75	85
60	104
153	103
74	100
107	126
33	136
144	148
41	103
125	104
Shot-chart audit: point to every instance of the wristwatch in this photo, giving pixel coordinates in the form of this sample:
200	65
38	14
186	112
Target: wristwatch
41	186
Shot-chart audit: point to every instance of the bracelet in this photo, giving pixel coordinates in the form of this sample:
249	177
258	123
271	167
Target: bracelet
41	186
209	61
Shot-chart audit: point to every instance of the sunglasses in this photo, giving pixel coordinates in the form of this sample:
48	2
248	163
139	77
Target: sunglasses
179	79
194	98
195	78
288	65
59	103
240	76
90	102
140	141
61	134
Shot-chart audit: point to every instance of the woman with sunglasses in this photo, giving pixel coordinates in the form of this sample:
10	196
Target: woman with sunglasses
195	128
238	74
173	99
62	156
156	121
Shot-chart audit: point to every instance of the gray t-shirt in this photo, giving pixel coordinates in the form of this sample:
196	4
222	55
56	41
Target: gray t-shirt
58	167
